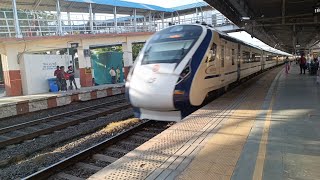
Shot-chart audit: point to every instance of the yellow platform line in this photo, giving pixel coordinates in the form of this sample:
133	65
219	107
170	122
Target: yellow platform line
258	171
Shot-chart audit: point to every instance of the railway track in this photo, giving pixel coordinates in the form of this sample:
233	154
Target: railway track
32	129
89	161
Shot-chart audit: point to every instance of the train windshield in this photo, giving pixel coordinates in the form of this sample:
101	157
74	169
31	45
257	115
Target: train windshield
171	45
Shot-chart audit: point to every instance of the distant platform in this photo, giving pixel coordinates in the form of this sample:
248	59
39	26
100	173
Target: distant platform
267	128
11	106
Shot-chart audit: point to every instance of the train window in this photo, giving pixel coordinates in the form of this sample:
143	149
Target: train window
246	56
222	56
171	45
233	56
212	54
257	58
253	57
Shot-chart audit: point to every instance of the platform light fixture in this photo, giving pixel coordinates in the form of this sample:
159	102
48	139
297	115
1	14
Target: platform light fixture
245	18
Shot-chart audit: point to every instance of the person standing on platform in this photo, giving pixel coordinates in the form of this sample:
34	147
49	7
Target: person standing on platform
318	73
63	81
286	61
71	78
302	62
56	74
112	73
118	74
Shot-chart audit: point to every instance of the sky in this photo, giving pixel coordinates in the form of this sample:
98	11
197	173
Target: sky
166	3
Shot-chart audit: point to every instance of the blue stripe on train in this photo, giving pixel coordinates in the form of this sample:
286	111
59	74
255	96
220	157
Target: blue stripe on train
181	102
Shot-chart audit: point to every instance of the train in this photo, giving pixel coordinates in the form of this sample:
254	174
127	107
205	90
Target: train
179	66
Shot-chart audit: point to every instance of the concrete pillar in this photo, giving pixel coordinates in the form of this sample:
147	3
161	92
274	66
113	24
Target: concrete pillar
91	18
150	21
162	20
135	20
69	18
127	57
59	18
171	17
16	20
11	72
115	19
85	66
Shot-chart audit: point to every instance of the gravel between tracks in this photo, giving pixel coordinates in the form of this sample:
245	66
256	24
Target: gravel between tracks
48	156
49	112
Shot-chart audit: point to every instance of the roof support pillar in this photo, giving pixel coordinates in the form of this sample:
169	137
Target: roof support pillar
162	20
115	19
91	18
172	18
69	18
16	20
59	18
294	39
150	21
135	20
283	11
178	17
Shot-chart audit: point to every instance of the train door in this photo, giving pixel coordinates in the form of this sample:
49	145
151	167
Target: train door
223	49
262	60
238	62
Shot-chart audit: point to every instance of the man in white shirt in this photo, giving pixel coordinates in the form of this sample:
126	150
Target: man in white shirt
112	73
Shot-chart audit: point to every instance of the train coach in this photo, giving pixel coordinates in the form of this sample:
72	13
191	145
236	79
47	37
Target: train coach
180	65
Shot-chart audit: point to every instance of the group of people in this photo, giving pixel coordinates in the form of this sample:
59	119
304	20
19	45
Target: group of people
63	76
312	66
115	75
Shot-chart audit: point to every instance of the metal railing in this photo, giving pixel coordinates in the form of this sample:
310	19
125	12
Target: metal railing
34	24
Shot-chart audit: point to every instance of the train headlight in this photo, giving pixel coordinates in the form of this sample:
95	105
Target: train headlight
186	71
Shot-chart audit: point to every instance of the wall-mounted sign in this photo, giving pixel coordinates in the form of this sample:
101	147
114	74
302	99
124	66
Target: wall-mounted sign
74	45
87	71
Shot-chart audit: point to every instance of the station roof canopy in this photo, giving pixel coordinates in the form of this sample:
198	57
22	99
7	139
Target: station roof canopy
285	24
99	6
189	8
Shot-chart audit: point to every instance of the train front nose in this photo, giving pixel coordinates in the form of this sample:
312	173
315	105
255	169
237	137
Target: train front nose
153	89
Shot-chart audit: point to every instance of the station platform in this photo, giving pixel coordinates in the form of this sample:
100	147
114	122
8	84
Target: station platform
17	105
267	128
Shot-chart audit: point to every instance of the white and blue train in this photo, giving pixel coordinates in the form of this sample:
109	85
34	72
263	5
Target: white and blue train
180	65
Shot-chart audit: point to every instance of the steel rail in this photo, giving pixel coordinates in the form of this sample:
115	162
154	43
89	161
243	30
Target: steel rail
48	130
61	115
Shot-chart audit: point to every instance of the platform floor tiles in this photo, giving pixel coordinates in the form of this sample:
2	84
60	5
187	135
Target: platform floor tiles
267	128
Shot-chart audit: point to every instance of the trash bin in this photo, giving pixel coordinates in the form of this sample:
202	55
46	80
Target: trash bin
53	85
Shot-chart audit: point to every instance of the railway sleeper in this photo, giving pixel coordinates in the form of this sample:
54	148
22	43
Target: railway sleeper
88	166
63	175
104	158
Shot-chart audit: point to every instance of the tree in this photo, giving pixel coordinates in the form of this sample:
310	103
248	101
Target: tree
136	48
109	49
